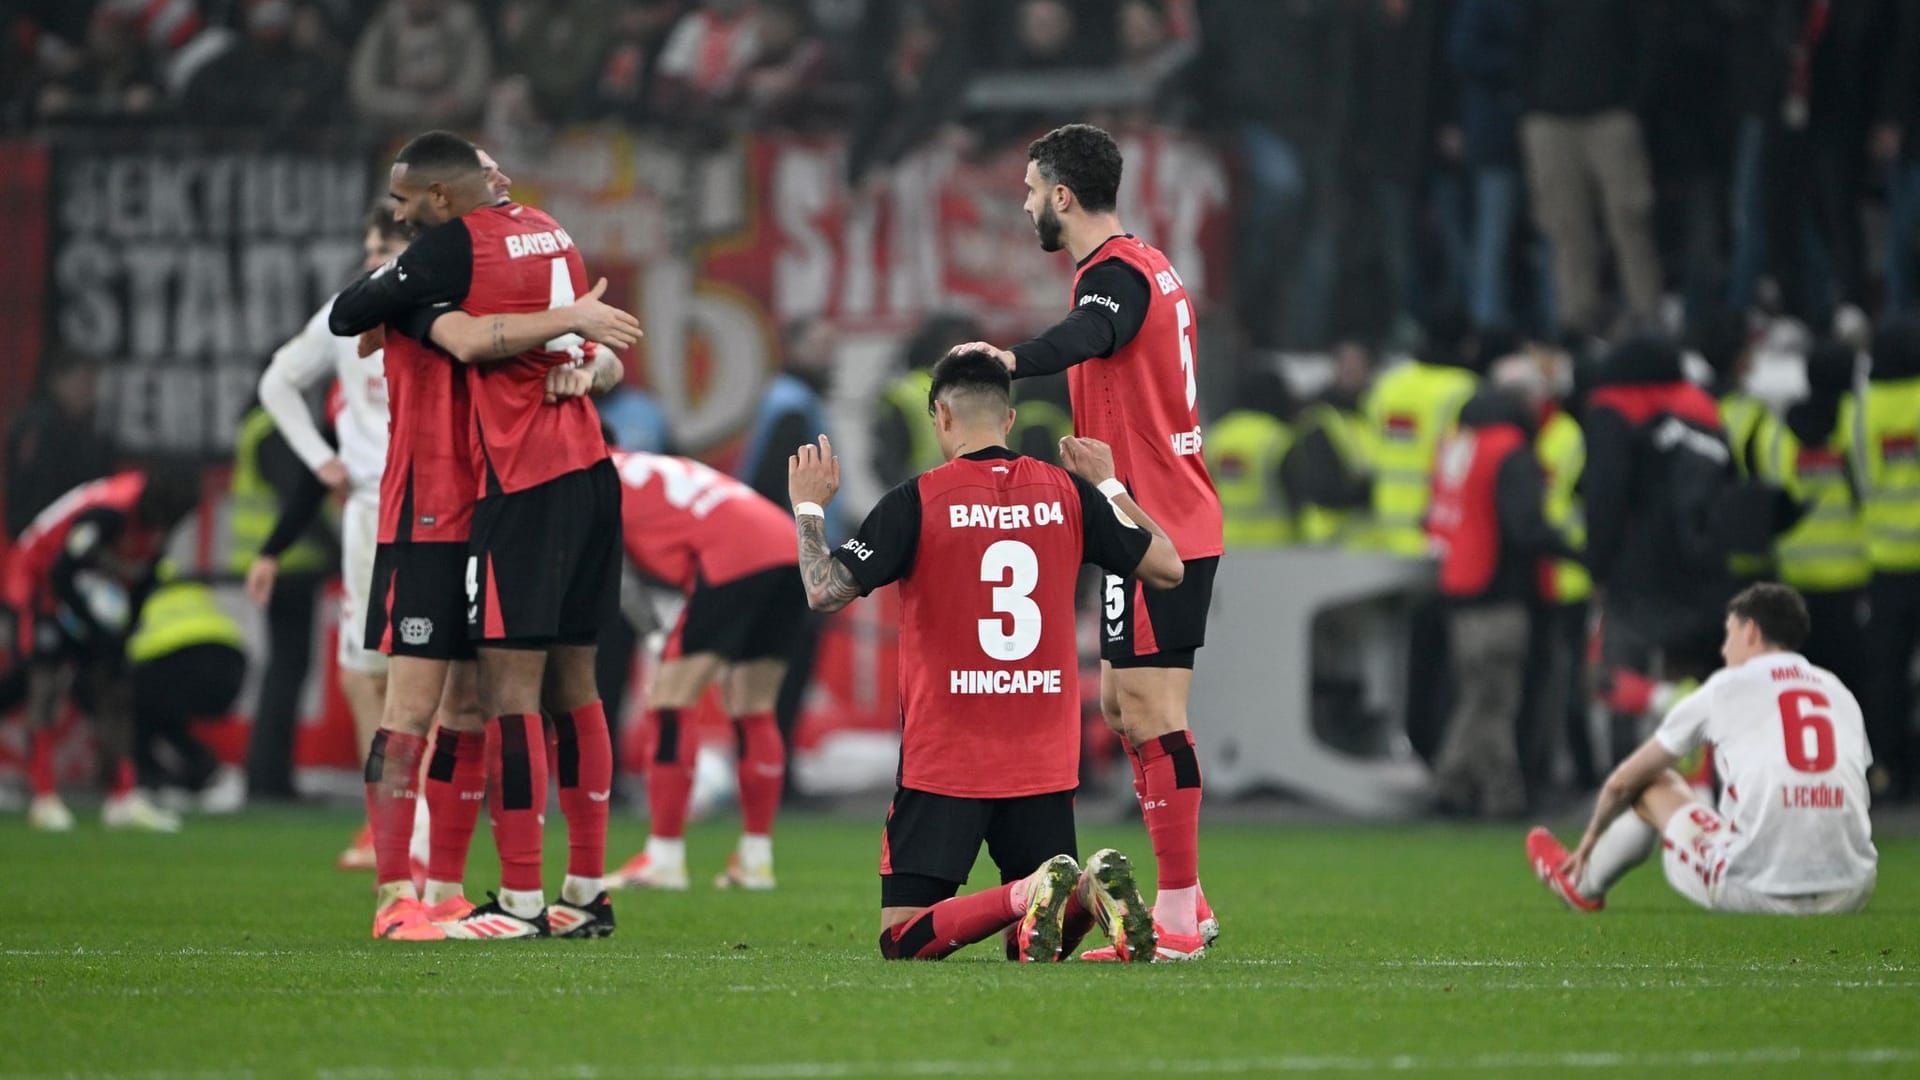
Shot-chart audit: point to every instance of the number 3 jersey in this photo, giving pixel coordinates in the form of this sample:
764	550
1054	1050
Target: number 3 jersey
1791	751
987	550
1143	400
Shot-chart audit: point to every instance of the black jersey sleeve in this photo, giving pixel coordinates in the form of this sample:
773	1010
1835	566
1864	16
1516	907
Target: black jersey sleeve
1109	540
1109	307
882	551
427	280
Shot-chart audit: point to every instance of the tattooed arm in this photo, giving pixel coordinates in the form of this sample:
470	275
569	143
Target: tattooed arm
830	585
477	339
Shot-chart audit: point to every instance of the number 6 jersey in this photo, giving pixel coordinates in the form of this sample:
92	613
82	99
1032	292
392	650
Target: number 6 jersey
1790	748
987	550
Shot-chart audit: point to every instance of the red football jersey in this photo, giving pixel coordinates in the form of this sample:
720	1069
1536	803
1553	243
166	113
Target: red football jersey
1142	402
688	524
426	490
523	261
30	570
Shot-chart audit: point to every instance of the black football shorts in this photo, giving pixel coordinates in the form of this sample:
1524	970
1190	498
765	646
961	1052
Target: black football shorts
543	564
1142	627
415	609
755	618
931	841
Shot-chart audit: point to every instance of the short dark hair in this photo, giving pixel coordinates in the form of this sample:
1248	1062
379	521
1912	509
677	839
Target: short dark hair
1777	610
971	371
439	153
382	219
1083	158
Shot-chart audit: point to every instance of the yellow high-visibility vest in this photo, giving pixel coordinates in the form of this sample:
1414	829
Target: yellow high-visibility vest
1408	412
256	506
1827	550
177	616
1884	429
1562	451
1347	432
908	394
1244	449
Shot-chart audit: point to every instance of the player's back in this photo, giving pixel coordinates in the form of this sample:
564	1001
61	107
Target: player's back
989	668
427	484
523	261
1791	748
688	523
362	419
1143	402
46	536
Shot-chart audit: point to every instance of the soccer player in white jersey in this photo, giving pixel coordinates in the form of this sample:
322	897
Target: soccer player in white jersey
1791	835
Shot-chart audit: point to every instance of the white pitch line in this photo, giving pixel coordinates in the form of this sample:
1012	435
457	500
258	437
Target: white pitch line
1304	1064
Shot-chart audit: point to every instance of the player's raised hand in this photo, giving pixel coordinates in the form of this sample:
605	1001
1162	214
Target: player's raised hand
1089	459
568	381
813	474
596	320
999	354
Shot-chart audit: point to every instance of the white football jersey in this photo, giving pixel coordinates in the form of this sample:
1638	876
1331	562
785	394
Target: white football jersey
312	356
1791	750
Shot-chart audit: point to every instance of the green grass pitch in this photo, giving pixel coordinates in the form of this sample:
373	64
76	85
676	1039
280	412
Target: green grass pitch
236	950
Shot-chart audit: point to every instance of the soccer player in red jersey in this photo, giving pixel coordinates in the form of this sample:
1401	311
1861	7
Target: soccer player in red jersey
730	551
72	593
987	549
1128	350
461	293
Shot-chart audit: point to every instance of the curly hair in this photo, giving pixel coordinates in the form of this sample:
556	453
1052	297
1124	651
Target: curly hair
1084	159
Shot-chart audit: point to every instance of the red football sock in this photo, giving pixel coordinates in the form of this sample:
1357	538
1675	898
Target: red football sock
517	795
456	784
393	767
124	779
950	925
40	762
1076	922
762	771
670	774
1139	771
1170	804
585	764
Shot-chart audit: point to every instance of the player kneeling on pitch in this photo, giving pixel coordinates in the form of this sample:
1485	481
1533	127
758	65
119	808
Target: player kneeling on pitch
1791	836
987	550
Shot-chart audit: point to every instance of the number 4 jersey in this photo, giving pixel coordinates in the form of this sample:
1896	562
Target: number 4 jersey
987	550
1791	750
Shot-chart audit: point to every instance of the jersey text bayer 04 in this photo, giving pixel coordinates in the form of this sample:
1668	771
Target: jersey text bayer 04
1142	401
1791	750
688	524
987	549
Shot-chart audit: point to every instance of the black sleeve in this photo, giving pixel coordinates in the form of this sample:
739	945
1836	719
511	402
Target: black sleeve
1114	545
1519	496
770	472
91	532
1604	484
299	506
1109	306
882	551
426	281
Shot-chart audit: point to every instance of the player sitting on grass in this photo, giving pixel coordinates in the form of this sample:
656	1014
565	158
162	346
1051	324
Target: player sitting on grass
987	549
1791	835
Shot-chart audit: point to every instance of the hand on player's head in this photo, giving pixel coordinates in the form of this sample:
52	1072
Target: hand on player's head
1089	459
1006	358
813	474
597	320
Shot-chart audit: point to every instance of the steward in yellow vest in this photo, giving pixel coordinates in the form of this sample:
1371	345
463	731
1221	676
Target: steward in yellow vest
256	501
1245	449
1409	410
1884	428
187	665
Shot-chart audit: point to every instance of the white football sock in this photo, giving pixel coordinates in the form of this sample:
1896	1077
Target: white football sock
664	852
756	851
441	891
1625	845
1174	910
581	890
391	891
526	904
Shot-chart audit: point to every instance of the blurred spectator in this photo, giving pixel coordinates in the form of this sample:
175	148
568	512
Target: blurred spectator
781	85
1264	69
915	61
621	87
1328	478
283	75
545	58
792	411
1489	528
1483	46
903	442
52	446
1885	452
1689	138
1586	66
1896	148
1246	449
113	78
420	64
701	67
636	420
1759	38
